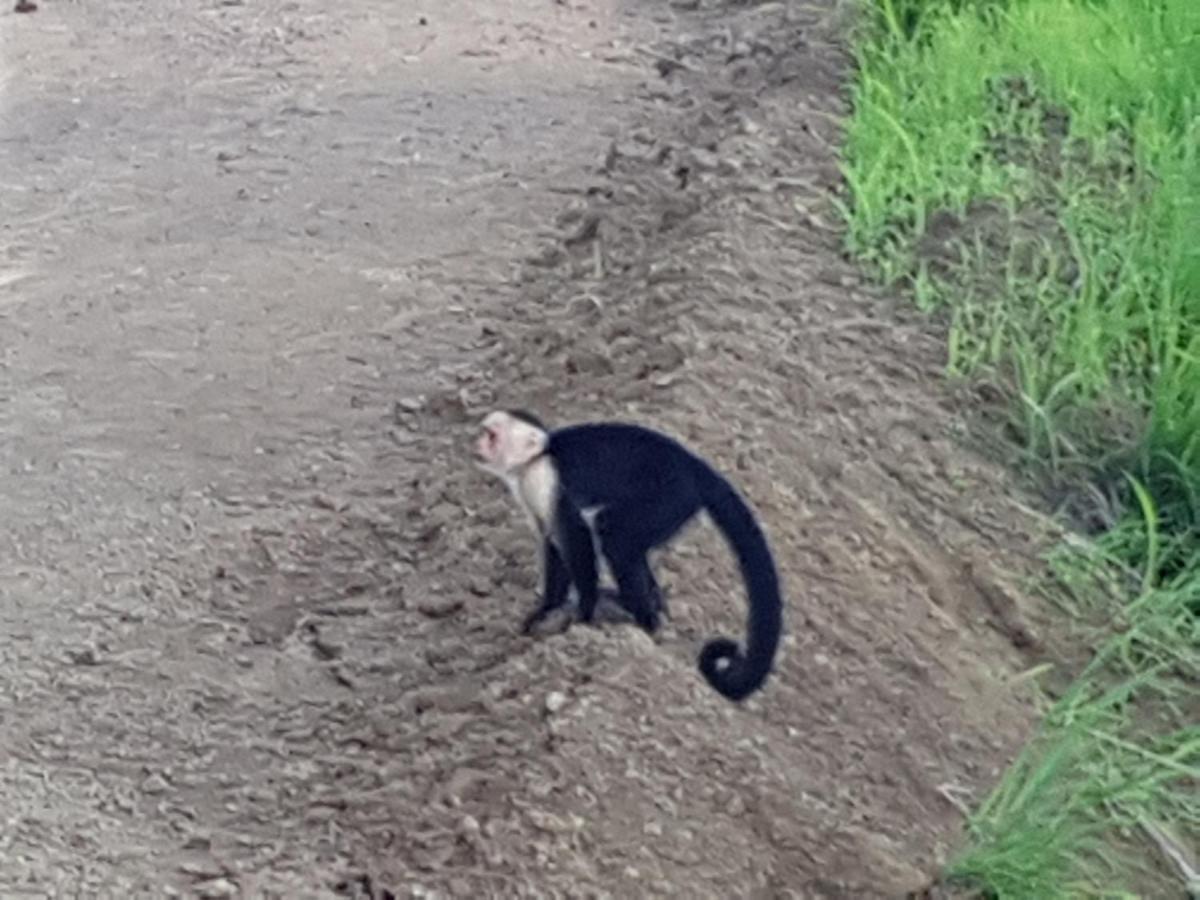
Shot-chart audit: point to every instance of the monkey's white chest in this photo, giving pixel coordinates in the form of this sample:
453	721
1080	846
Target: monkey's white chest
536	490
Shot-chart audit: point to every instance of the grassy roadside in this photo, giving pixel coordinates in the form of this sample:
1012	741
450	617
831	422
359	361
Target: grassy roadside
1030	170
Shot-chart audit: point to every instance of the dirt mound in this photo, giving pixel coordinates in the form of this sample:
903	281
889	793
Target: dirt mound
696	286
300	675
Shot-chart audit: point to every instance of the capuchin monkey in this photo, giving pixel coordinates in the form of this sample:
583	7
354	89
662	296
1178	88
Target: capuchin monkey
624	490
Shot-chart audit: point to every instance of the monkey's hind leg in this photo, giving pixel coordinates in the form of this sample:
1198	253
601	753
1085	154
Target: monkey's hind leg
637	591
636	606
658	597
627	534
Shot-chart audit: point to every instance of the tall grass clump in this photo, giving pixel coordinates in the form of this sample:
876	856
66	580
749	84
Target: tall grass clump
1115	766
1030	171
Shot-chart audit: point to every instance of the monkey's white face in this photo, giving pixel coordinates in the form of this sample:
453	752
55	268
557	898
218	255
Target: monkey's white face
506	443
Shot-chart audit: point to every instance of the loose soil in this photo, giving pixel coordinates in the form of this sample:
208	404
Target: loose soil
263	265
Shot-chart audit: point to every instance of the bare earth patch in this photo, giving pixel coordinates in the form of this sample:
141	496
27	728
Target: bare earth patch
262	266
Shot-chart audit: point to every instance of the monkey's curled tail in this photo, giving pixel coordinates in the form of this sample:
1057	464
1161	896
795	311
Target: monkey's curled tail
744	672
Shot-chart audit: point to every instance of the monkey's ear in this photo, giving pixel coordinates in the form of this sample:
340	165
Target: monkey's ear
534	443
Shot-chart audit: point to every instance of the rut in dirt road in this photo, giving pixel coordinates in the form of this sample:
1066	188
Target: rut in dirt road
263	268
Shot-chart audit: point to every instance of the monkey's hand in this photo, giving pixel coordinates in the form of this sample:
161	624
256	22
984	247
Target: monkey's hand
534	619
540	614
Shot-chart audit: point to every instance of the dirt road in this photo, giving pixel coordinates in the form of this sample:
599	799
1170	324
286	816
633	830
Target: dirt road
261	266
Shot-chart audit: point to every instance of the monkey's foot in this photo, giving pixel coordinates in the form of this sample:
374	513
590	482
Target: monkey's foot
541	614
612	608
609	607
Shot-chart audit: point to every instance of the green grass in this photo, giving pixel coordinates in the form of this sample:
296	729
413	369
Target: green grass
1120	749
1030	171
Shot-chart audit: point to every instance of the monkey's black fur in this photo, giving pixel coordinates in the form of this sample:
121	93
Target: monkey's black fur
647	486
528	418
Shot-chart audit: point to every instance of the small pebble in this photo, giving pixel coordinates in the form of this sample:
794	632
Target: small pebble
469	826
155	784
215	889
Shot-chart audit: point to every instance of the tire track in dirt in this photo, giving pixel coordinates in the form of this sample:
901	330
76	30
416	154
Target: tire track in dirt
225	226
307	678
